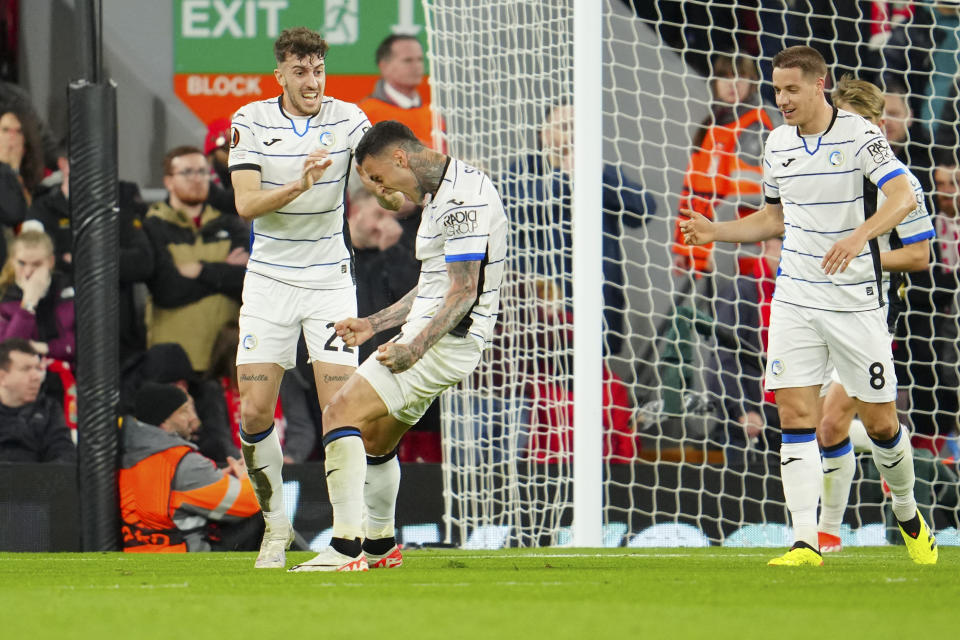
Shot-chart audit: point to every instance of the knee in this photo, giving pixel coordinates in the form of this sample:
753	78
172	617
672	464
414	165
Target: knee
830	431
256	414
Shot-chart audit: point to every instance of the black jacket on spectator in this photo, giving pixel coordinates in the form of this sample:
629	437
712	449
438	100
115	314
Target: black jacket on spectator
35	432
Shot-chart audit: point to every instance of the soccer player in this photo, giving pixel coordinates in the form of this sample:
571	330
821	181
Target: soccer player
448	319
828	306
289	160
906	248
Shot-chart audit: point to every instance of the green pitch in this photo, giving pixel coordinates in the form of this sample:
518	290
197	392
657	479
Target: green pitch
526	594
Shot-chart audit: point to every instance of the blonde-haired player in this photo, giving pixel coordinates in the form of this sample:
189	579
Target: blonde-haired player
906	248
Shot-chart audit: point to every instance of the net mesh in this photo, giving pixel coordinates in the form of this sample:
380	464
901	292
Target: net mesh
682	329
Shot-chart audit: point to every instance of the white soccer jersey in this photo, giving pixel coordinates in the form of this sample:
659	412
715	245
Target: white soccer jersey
916	227
465	220
303	244
821	183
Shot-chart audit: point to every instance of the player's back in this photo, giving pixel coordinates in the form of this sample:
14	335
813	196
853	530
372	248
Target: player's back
303	243
465	221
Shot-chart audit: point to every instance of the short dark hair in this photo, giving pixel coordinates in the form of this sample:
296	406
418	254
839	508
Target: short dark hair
301	43
10	345
385	49
382	135
176	152
807	59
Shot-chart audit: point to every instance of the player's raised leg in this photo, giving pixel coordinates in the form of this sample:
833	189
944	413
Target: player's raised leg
800	472
893	455
259	386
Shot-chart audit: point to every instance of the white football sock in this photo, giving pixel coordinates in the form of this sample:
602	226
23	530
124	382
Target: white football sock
801	474
839	465
380	495
264	458
346	468
894	460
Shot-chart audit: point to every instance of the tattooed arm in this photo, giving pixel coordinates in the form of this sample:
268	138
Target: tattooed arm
356	331
462	294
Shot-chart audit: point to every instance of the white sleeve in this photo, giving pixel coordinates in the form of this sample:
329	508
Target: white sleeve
245	150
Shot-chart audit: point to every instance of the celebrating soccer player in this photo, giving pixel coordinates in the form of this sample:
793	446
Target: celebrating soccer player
821	170
448	319
906	248
289	160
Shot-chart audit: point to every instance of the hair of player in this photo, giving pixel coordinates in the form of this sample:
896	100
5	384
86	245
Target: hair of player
10	345
802	57
386	134
300	42
385	48
177	152
864	97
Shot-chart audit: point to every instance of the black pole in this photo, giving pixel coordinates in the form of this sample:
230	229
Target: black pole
93	207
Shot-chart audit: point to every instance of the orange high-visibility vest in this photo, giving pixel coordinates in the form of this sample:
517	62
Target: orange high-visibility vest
145	503
418	119
714	174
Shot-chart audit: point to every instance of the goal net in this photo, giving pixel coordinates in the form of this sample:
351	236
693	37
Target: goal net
690	442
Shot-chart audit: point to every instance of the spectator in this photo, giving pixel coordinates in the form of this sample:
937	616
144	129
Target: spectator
173	499
14	97
21	169
36	303
537	194
168	364
728	149
52	210
931	318
32	428
200	256
216	147
396	95
747	408
908	137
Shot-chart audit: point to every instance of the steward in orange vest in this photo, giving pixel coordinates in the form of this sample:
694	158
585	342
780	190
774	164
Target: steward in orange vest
396	95
726	165
169	493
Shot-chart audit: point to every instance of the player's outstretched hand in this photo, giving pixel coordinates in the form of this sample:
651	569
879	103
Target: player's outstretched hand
697	229
354	331
313	167
396	357
838	258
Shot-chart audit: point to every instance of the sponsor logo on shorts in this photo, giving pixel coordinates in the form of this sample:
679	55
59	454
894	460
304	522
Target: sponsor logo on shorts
777	368
836	158
249	342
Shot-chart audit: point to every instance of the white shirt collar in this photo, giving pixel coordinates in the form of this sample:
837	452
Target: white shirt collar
400	99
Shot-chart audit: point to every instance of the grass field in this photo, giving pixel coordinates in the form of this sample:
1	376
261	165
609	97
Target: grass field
545	593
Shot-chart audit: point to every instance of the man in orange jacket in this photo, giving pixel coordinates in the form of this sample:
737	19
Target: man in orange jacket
396	95
173	499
